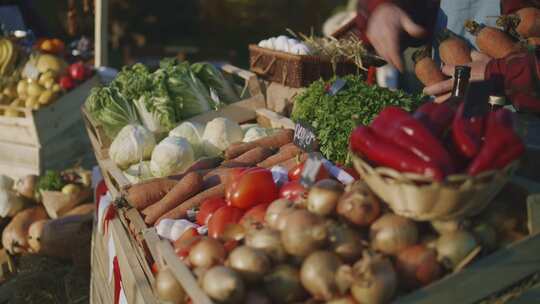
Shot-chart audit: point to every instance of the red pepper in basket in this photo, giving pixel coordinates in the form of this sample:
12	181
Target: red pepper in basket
436	117
502	145
467	133
399	127
385	153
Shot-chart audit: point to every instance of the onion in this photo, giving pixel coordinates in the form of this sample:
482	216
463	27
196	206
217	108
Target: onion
486	235
324	196
318	275
283	285
255	297
392	233
304	233
375	280
277	213
267	240
223	285
448	226
26	186
168	289
207	253
359	205
345	241
453	247
418	266
251	263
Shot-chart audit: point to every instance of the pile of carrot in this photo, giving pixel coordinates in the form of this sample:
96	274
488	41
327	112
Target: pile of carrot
173	196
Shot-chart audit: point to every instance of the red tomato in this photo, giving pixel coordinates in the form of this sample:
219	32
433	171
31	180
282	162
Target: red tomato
254	186
154	268
208	207
77	71
222	217
296	172
254	216
66	83
293	191
231	182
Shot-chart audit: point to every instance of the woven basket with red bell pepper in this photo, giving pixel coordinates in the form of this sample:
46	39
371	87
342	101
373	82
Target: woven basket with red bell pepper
437	141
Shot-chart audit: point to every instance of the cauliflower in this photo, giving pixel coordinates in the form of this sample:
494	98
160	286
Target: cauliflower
193	132
138	172
173	154
219	134
255	133
132	142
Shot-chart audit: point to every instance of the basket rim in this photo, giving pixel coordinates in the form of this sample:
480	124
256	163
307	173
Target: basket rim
289	56
415	178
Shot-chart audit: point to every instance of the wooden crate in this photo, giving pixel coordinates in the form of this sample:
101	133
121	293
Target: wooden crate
51	138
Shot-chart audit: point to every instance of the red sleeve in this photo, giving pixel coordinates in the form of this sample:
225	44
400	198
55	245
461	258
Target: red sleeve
518	77
423	12
510	6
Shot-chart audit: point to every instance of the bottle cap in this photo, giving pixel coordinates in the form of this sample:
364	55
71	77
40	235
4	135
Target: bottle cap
462	71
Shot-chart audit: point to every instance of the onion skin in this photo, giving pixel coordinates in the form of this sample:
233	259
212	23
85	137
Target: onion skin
168	289
324	196
453	247
277	212
345	242
269	241
223	285
418	266
283	285
207	253
375	280
448	226
318	275
359	205
304	233
251	263
392	233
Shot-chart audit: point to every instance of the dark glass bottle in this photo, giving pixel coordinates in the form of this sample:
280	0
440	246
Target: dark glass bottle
462	75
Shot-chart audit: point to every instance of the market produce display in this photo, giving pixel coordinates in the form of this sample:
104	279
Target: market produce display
33	228
285	44
331	116
37	79
160	100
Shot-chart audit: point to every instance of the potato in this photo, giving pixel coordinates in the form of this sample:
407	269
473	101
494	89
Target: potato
46	97
34	89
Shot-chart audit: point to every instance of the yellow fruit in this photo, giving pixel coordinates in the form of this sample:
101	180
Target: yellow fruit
10	91
34	89
30	102
48	83
11	112
47	75
22	86
48	62
47	45
71	189
17	102
46	97
56	88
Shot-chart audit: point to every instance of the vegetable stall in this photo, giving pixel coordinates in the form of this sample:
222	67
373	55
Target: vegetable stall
362	195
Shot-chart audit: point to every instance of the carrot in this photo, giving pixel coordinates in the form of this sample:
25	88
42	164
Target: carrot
533	41
453	50
425	68
249	158
201	164
146	193
15	235
290	163
181	210
276	140
81	210
188	186
286	152
492	41
524	23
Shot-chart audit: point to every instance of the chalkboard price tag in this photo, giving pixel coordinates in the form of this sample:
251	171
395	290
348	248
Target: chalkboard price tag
337	86
311	169
304	137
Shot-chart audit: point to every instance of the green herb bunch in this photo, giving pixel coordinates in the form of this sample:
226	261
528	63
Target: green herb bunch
334	117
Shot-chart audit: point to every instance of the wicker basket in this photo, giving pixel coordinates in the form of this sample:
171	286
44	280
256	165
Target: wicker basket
420	198
292	70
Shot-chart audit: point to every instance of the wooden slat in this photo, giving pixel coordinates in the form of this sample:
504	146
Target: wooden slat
136	286
486	276
270	119
183	274
101	33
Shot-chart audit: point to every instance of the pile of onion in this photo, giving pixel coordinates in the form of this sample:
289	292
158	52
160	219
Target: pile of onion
207	253
251	263
324	196
392	233
168	288
375	280
268	241
277	212
452	248
359	205
223	284
345	241
283	285
304	233
319	275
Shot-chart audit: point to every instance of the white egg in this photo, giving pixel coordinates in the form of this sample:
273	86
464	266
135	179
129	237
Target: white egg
281	44
263	43
271	43
292	42
300	49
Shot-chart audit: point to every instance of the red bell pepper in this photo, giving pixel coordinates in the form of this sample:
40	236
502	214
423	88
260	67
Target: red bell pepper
436	117
467	133
363	140
502	145
399	127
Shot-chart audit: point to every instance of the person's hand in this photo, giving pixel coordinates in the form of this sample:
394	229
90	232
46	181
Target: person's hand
384	28
443	89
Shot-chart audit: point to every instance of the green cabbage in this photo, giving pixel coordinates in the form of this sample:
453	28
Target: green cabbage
215	80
